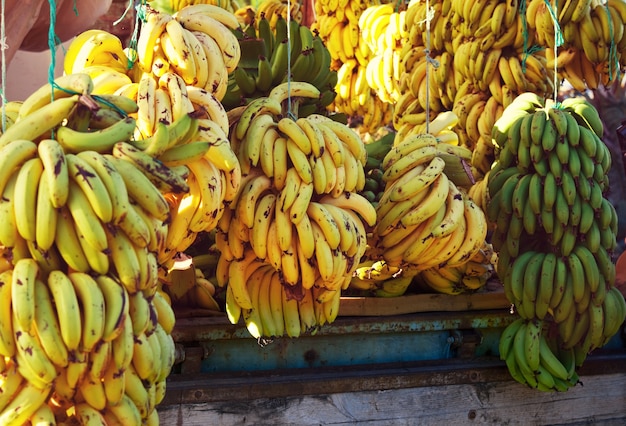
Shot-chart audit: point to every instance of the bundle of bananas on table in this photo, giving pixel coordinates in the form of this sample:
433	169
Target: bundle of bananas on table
554	231
424	218
298	212
300	57
85	330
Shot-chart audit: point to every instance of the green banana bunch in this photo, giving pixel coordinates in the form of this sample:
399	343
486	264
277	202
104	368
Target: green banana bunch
536	360
556	229
290	51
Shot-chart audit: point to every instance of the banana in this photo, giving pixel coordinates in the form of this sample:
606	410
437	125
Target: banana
436	197
32	362
113	182
63	87
42	416
590	267
291	313
125	259
99	359
92	186
25	273
9	236
228	43
7	341
88	415
55	167
47	326
122	348
151	30
93	310
507	337
125	411
40	122
416	179
179	52
24	403
102	140
353	202
116	306
154	169
546	285
165	313
294	132
140	188
24	206
476	226
206	103
68	308
85	218
320	215
519	353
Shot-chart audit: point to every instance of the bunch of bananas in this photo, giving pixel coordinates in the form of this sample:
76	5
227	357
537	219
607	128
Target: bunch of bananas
593	40
378	278
187	283
467	277
172	6
197	43
300	57
81	344
273	10
477	61
554	229
96	48
298	210
85	330
164	92
424	219
383	30
535	358
338	26
374	185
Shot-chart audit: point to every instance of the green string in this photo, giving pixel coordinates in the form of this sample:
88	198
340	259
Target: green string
140	16
53	42
613	57
526	49
558	35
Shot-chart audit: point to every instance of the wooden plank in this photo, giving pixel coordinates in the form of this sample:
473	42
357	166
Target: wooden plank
414	303
185	389
600	400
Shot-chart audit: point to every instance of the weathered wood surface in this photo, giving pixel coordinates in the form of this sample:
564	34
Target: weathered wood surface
431	302
451	392
601	400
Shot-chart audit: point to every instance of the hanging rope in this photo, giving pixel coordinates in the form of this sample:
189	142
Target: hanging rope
430	13
289	112
3	47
